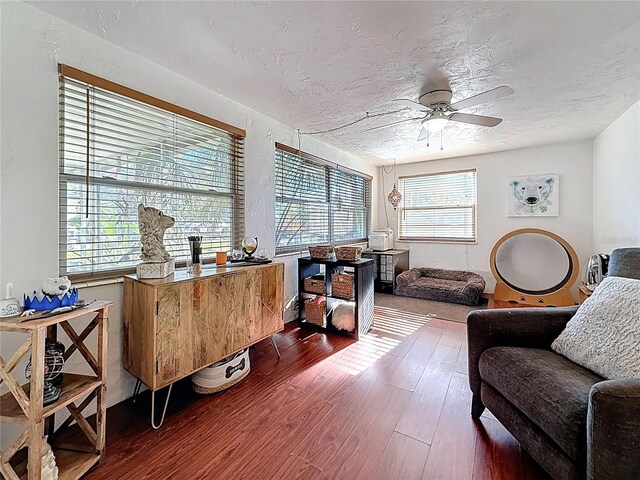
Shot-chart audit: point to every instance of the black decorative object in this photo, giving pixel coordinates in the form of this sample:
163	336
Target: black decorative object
195	246
53	363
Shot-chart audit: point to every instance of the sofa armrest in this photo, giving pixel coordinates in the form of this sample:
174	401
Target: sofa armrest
613	430
410	276
534	327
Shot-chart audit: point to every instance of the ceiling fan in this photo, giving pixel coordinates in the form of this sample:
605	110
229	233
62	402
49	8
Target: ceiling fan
439	110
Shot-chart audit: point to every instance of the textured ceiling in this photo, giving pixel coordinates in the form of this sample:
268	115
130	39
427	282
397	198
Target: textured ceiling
315	65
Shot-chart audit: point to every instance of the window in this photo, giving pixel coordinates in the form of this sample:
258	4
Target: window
318	202
120	148
438	206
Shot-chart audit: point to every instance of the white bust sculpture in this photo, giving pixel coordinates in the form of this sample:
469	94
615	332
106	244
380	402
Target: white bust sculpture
153	223
156	261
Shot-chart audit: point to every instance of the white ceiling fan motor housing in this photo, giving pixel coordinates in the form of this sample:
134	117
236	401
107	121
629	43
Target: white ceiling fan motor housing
436	99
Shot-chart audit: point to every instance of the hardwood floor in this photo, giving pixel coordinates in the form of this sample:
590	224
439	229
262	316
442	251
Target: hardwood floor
393	406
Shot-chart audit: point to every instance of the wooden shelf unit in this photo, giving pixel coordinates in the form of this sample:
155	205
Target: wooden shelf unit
23	404
71	465
363	288
352	299
73	387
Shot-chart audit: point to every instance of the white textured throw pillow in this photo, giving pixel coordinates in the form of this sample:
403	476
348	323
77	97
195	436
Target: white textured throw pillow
604	335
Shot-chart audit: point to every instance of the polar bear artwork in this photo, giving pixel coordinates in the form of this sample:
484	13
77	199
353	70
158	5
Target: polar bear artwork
156	261
535	195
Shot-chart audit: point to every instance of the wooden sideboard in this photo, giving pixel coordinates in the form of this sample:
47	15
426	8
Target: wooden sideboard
178	325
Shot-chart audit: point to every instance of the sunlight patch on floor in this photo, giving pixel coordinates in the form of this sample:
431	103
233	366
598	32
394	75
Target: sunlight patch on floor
398	323
390	327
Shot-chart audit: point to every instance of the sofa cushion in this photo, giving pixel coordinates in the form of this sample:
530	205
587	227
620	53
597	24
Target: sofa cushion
531	438
550	390
604	334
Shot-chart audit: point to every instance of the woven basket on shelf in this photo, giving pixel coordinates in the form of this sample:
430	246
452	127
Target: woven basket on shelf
315	285
315	310
321	252
342	285
350	254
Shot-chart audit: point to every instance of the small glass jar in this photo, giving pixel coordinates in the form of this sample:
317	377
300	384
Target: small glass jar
221	258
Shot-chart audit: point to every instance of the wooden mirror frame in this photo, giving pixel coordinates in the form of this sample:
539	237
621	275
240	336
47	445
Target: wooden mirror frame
558	296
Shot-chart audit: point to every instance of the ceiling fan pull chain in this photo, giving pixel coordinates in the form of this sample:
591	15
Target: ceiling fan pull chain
441	139
427	138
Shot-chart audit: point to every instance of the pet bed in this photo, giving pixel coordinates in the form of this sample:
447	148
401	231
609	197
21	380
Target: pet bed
452	286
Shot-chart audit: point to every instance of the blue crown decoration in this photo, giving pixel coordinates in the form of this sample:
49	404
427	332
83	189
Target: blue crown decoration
67	299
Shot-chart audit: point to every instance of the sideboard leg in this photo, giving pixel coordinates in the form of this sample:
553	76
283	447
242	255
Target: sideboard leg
136	391
275	346
164	410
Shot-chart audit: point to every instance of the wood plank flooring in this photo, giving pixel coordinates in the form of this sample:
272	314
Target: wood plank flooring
393	406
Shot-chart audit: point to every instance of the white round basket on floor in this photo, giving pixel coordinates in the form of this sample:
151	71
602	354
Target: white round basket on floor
223	374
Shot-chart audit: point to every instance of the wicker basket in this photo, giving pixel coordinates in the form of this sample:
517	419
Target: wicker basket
315	285
342	285
315	310
350	254
321	252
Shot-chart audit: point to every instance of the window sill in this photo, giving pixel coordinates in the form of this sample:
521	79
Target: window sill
89	283
428	240
305	251
104	276
109	276
290	254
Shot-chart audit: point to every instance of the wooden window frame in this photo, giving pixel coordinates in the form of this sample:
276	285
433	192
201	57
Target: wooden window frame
473	207
104	84
71	72
280	251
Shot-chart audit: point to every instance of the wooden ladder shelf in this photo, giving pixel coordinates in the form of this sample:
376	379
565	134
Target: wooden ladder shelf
23	404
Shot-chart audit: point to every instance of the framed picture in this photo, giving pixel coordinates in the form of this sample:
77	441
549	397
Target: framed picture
533	196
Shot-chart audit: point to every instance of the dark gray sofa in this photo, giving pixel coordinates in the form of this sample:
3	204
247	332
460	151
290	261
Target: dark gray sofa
453	286
573	422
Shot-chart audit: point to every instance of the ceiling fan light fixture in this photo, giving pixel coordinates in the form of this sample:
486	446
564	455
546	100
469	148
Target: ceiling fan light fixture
436	123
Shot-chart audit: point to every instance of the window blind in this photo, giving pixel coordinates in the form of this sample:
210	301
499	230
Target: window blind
318	202
439	207
117	152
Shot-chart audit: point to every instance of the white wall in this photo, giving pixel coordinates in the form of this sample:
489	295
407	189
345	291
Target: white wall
616	184
33	43
572	161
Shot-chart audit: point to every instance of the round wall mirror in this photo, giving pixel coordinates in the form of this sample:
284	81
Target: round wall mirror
533	266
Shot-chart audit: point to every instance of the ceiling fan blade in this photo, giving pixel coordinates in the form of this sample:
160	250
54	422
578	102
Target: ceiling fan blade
423	134
475	119
488	96
413	105
391	124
